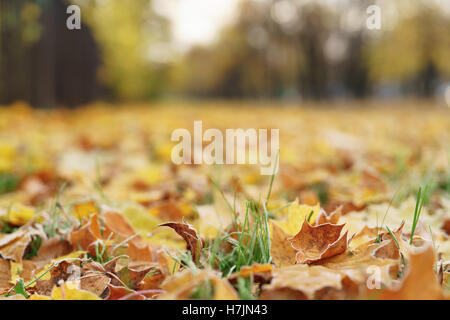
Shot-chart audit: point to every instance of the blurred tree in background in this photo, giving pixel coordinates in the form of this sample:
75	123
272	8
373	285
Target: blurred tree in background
283	49
416	51
129	33
43	62
46	64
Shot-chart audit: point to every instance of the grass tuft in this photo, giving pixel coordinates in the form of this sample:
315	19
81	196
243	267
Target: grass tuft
421	198
246	244
244	287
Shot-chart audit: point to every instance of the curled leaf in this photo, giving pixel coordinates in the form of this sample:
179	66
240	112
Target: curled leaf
193	242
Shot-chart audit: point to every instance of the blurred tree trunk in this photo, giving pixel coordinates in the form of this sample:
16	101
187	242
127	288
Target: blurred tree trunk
428	80
314	75
356	72
58	69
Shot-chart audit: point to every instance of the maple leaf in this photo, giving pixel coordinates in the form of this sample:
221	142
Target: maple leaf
332	217
355	263
84	209
182	284
314	243
14	245
194	243
420	282
297	214
18	214
281	250
68	292
307	282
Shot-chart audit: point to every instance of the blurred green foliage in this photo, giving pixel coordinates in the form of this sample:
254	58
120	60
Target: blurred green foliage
126	31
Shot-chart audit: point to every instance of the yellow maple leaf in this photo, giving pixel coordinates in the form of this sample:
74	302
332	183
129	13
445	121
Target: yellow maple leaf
18	214
84	209
146	224
296	215
69	292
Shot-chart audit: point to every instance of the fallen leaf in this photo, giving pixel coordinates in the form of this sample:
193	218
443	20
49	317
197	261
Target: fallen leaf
83	237
281	250
357	264
193	242
117	292
314	243
84	209
51	249
306	282
133	274
296	215
181	285
420	281
94	282
18	214
332	218
14	245
5	274
65	292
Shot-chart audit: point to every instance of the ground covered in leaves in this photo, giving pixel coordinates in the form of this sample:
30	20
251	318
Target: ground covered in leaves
91	206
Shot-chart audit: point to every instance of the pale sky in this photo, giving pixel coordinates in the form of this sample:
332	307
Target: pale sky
196	21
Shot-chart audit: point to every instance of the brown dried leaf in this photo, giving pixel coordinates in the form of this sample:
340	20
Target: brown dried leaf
307	282
446	226
133	274
5	274
94	282
138	248
420	282
117	292
193	242
117	223
281	250
51	249
152	280
62	271
314	243
181	285
355	263
13	245
364	236
84	236
332	217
